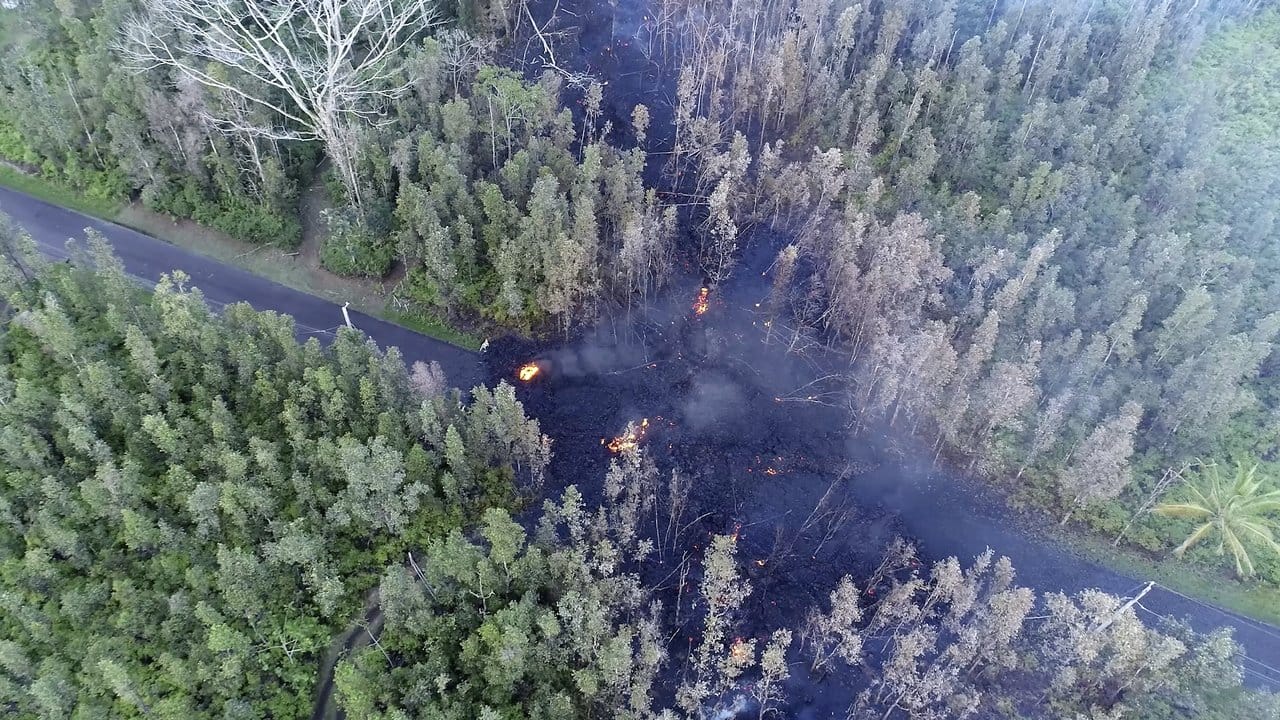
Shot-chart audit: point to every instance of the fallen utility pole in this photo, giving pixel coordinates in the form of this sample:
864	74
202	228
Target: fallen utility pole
1126	606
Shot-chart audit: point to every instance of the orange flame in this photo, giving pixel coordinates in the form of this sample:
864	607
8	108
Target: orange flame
528	372
700	305
629	440
770	471
740	651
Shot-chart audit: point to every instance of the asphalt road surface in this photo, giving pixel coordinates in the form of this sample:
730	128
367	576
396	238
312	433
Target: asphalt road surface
147	258
944	519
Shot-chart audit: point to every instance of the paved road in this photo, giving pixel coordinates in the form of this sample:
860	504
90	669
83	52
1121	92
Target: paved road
1041	564
147	258
946	519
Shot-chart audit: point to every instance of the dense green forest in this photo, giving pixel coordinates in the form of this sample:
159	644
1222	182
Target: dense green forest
194	504
472	178
1042	233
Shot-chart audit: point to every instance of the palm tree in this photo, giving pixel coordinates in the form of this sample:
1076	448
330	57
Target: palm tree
1236	512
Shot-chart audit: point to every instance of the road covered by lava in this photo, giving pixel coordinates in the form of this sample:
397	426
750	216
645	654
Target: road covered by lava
706	383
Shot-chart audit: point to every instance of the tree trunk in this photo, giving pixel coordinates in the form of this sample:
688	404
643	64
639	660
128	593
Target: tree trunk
1067	517
339	143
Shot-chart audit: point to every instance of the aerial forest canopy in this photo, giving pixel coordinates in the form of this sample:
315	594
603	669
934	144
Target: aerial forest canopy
1028	222
197	509
472	177
192	505
1040	236
1037	231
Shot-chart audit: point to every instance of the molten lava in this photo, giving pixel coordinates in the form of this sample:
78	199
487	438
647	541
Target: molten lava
700	305
740	651
528	372
629	440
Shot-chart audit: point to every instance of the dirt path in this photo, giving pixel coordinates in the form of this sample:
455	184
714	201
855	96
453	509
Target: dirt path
310	204
356	637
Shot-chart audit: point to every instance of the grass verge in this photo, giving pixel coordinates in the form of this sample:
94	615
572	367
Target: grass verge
1203	583
273	262
435	328
58	194
291	269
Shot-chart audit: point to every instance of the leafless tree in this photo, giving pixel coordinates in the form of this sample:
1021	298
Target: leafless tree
462	55
1166	481
324	66
428	379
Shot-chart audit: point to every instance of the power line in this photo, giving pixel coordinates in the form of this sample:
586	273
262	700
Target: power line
1238	618
1271	680
1261	664
1259	629
1266	680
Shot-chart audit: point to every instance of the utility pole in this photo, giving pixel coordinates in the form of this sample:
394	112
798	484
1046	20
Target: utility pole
345	316
1126	606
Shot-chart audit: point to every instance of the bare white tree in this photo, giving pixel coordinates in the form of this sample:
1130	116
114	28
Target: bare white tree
323	66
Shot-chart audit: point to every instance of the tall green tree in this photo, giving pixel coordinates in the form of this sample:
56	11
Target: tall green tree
209	500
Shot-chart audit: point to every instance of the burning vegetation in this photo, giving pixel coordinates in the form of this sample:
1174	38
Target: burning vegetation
700	304
629	440
528	372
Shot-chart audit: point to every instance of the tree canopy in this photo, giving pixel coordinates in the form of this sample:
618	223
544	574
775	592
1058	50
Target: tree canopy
1240	513
193	504
1042	234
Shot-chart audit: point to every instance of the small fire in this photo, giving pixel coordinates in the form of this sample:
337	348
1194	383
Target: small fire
740	651
528	372
770	471
700	305
629	440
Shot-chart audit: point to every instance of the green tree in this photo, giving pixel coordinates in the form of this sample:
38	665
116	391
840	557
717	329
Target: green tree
209	501
1239	513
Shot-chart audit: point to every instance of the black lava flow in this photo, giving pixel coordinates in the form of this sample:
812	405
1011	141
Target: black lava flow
733	413
711	388
769	451
725	408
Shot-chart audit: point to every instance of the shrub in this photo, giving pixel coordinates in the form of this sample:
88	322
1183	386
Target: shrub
101	184
12	147
419	289
256	223
356	245
237	216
